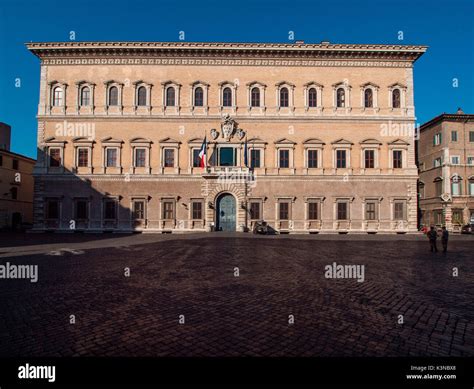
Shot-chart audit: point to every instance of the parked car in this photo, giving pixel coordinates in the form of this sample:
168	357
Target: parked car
468	229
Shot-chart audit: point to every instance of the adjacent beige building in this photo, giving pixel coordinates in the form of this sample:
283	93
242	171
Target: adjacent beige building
16	190
328	130
446	161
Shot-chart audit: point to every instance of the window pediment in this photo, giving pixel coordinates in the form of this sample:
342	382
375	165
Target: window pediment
399	142
199	83
226	83
170	83
313	84
371	141
141	82
53	140
313	141
284	83
256	140
196	140
284	141
397	85
169	140
343	142
109	139
256	83
369	85
341	84
82	139
112	82
84	82
140	140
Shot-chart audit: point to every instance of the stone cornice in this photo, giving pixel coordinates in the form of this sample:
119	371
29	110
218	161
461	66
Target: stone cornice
215	53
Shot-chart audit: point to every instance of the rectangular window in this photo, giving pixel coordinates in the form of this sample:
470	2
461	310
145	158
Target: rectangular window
471	136
455	159
397	159
341	161
369	159
312	159
111	157
457	216
437	139
342	208
284	211
139	210
284	158
437	162
169	157
471	187
81	210
313	213
54	157
52	209
255	210
454	136
15	164
197	210
399	210
82	157
140	157
456	188
439	187
168	210
438	217
470	160
110	209
254	158
196	159
370	211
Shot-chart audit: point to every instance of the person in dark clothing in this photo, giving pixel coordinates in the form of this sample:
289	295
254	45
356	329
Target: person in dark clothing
444	239
432	236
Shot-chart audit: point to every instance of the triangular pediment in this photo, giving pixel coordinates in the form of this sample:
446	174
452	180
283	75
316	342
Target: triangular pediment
371	84
313	83
284	141
342	141
400	142
255	140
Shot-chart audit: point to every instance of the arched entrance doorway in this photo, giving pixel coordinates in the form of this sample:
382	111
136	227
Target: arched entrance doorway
226	213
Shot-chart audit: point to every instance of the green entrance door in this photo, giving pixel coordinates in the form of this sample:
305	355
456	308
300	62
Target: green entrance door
226	213
226	156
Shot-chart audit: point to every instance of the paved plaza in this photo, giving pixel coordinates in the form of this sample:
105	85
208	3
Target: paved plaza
236	295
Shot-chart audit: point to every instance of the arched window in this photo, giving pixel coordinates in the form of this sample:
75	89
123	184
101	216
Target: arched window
227	97
312	98
170	97
368	98
198	97
85	96
113	95
255	97
340	98
284	97
396	98
58	96
141	96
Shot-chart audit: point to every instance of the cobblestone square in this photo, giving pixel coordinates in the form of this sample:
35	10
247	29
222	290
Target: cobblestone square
244	315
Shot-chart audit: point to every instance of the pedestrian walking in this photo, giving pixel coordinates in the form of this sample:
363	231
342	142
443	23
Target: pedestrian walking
444	239
432	236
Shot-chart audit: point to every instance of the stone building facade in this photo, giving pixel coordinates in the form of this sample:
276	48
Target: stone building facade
446	161
327	130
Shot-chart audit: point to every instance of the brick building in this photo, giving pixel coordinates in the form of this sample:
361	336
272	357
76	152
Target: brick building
327	129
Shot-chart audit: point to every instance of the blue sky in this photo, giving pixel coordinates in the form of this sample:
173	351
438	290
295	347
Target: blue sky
445	26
